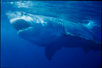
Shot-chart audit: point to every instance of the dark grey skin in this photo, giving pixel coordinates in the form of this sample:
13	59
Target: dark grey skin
71	42
54	33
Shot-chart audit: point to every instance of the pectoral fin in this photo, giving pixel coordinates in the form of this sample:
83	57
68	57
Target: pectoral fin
50	51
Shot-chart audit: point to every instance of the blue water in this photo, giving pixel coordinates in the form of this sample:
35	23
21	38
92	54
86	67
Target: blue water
17	52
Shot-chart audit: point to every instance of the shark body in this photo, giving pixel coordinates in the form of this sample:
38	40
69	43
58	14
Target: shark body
54	33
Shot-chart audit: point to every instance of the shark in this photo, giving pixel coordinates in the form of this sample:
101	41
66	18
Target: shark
55	33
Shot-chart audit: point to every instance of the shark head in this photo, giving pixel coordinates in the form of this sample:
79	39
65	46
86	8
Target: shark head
26	23
33	29
27	28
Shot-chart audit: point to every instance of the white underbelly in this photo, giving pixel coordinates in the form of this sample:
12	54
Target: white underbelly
46	36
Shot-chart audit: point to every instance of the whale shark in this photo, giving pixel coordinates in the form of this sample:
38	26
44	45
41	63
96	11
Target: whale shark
55	33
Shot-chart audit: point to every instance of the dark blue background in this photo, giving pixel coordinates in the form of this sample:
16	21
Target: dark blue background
17	52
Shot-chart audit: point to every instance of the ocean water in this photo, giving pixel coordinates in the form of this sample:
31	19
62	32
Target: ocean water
17	52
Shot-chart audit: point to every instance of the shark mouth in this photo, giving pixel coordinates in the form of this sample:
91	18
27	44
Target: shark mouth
20	25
